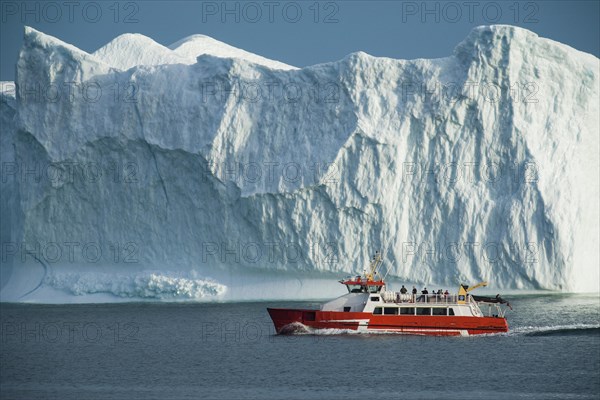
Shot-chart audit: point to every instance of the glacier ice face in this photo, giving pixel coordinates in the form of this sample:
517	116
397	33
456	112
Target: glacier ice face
142	158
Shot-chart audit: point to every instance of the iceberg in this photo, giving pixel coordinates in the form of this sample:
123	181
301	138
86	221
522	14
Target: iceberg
198	171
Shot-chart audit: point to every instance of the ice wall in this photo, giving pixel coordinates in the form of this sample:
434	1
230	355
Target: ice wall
124	168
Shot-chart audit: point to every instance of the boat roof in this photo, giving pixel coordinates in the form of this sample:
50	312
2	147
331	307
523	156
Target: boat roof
362	282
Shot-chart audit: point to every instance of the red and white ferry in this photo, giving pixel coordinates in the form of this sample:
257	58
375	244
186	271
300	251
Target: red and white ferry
369	307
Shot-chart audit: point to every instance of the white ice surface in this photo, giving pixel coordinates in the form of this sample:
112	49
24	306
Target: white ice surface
377	142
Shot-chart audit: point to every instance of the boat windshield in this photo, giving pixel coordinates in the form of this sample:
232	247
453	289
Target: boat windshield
355	288
374	288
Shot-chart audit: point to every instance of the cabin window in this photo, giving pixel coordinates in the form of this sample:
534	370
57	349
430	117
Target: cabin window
347	309
377	311
374	298
440	311
451	311
407	311
373	289
423	311
354	288
390	311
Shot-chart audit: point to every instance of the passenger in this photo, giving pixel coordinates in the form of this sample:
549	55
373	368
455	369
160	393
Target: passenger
414	291
425	291
403	290
446	293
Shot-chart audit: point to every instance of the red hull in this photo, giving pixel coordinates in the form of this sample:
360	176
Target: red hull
285	318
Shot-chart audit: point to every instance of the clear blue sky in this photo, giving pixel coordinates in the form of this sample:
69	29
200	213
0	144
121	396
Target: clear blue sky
298	32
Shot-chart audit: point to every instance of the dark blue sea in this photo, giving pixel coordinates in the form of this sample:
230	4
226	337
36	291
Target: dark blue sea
229	351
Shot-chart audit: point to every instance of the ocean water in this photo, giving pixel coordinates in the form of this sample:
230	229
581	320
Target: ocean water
229	351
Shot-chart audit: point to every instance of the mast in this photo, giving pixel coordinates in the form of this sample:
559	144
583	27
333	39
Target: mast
374	265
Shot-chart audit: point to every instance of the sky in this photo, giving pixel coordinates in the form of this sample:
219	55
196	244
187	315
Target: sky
299	33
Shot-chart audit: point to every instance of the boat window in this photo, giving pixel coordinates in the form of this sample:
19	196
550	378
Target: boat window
347	309
354	288
451	311
440	311
423	311
374	289
377	310
374	298
407	311
390	311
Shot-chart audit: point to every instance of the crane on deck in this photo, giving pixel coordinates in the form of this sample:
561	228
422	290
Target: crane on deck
464	289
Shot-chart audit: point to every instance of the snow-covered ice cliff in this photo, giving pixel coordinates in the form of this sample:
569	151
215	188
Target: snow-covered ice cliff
201	171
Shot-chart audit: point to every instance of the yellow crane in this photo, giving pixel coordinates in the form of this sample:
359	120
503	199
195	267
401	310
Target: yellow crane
464	289
374	265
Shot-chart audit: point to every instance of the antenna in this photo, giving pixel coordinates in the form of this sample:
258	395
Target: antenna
375	263
388	267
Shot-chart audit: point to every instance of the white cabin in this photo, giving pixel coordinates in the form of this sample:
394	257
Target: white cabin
384	302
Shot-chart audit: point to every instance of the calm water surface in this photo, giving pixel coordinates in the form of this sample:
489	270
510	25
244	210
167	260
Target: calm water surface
229	351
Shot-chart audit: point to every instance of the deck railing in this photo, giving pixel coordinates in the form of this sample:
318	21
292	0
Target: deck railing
400	298
420	299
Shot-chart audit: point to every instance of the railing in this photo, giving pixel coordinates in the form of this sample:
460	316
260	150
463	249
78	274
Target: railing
477	309
400	298
499	311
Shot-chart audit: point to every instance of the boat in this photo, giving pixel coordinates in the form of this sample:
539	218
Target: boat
371	308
